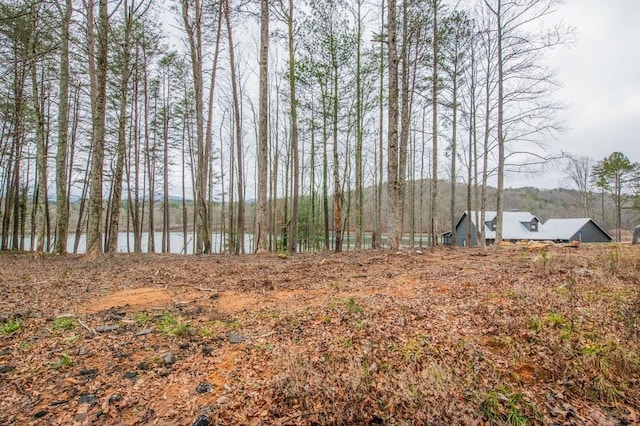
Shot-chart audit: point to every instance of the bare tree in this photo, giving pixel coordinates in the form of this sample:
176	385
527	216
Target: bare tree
524	83
578	173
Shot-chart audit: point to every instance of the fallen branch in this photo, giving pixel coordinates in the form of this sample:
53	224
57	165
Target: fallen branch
206	289
90	330
190	286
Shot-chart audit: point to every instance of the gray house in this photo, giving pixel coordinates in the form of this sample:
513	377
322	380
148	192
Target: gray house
524	226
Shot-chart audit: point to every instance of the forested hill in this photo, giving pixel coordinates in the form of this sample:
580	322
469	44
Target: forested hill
544	203
561	203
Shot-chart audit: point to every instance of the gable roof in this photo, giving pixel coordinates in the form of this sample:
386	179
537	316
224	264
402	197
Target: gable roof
567	228
514	226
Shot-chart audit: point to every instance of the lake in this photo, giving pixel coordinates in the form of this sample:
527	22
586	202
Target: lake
176	242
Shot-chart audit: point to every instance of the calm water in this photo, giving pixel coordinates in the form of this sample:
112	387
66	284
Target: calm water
177	242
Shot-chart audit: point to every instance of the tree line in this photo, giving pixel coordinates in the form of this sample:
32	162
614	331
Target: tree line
298	123
615	177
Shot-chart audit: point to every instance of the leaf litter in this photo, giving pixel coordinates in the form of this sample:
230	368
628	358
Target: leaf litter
505	335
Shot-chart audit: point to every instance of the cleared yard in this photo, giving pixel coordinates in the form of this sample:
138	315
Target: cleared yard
445	336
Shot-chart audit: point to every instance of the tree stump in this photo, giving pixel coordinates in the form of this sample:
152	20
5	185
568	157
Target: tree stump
636	235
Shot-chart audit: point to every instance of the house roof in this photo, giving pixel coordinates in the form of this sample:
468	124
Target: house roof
567	228
515	226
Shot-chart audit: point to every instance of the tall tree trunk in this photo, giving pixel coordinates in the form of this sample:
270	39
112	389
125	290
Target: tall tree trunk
376	237
72	151
405	121
33	214
166	112
116	200
469	182
392	162
454	152
209	132
275	158
293	233
337	195
434	125
359	204
194	33
485	147
285	192
150	154
41	154
62	223
500	195
223	214
127	171
232	176
13	169
185	240
472	175
312	181
80	225
412	183
263	130
238	136
99	104
422	152
618	202
9	198
325	166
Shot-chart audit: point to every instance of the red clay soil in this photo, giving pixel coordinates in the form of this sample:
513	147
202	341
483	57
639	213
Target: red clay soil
505	335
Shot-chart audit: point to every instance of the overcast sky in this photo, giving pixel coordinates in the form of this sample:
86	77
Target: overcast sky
600	74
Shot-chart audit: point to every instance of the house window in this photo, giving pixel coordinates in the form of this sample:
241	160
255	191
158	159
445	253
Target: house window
534	227
493	225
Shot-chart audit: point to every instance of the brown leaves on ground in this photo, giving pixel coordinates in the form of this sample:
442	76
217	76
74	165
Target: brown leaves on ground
452	336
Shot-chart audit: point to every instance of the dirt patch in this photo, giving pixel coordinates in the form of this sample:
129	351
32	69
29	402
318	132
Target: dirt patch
231	302
525	372
225	367
130	300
